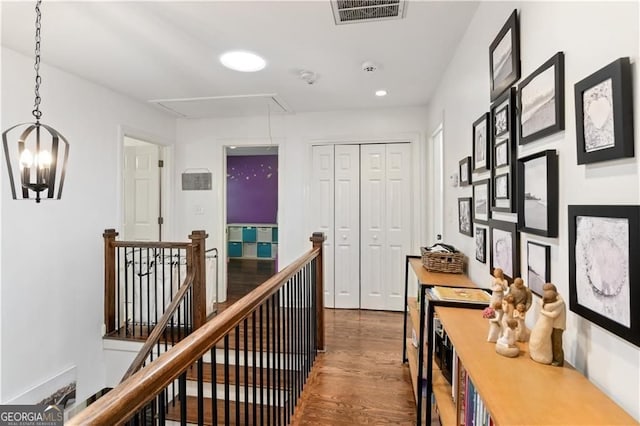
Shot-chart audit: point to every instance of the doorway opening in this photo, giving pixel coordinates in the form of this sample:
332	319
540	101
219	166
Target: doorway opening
251	218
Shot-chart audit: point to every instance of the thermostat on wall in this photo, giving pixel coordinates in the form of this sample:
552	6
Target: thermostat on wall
196	181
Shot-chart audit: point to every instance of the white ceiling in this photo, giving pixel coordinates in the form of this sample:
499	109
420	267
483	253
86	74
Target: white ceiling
169	50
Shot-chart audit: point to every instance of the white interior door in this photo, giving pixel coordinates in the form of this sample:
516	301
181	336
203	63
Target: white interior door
385	221
141	192
323	212
347	226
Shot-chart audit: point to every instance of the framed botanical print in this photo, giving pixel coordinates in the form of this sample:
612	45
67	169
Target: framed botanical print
538	193
481	144
504	248
504	57
541	101
481	244
503	168
604	114
481	201
464	170
604	267
538	266
465	219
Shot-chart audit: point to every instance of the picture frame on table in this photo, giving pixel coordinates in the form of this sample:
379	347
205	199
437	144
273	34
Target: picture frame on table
504	248
604	114
464	170
481	244
538	193
603	267
481	201
481	148
503	135
465	216
538	266
504	57
541	101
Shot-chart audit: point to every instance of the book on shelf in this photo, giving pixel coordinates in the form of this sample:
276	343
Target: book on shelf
468	295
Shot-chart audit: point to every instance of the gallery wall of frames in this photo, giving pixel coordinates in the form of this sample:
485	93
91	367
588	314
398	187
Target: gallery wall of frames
547	158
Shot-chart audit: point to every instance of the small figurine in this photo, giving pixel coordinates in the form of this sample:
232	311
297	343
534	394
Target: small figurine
494	315
557	311
506	345
498	287
522	332
508	307
521	293
552	315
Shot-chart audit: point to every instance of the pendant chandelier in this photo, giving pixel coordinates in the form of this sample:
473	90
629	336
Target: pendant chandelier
40	153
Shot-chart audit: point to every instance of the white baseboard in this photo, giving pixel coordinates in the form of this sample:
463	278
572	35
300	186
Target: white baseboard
45	389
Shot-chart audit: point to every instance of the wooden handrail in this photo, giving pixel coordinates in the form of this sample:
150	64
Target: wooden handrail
127	398
155	335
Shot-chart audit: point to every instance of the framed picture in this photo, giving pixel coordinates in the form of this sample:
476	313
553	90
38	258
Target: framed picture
481	201
541	101
504	148
501	186
538	266
504	57
464	169
465	220
481	143
481	244
603	267
538	193
504	252
604	114
501	155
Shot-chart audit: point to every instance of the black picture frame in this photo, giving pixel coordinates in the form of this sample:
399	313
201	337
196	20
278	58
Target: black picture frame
465	216
537	94
538	193
501	121
482	201
538	266
501	154
504	248
603	242
504	57
481	244
506	103
481	146
610	137
464	170
498	193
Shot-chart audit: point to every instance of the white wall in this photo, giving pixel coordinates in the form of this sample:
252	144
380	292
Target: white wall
591	34
200	144
52	253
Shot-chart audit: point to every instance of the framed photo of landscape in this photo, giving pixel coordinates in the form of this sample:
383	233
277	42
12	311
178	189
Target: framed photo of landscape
538	193
504	57
503	136
541	101
465	218
538	266
604	114
603	267
481	144
504	248
464	169
481	201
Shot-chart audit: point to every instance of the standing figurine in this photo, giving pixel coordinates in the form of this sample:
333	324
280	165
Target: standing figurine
506	344
495	327
540	341
522	332
498	287
508	307
557	311
521	293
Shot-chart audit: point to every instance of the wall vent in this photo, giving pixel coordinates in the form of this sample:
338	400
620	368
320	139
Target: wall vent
353	11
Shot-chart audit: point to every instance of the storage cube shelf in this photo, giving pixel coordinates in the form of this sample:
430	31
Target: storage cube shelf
252	241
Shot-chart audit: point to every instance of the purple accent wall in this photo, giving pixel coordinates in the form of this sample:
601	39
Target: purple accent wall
252	189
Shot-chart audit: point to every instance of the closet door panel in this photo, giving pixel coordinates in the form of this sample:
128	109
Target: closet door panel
323	212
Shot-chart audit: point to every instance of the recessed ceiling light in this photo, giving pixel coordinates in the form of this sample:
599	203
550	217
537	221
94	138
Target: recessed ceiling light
381	92
232	147
240	60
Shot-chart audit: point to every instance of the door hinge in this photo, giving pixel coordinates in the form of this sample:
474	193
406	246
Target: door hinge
160	163
160	220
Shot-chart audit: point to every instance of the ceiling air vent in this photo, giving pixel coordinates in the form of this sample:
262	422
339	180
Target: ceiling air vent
352	11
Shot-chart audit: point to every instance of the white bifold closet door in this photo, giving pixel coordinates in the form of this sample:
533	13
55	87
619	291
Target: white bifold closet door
385	216
361	202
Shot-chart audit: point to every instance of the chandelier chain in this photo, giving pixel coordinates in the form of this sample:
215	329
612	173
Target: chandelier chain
36	104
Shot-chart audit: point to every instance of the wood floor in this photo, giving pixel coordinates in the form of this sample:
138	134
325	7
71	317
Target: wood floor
243	275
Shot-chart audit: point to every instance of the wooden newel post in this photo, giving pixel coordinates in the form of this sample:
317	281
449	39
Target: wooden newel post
318	239
200	279
109	280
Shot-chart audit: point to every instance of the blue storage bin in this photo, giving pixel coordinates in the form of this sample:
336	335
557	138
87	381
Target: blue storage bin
235	249
274	235
249	234
264	250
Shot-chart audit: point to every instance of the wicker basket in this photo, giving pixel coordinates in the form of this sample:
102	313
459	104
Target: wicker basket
452	263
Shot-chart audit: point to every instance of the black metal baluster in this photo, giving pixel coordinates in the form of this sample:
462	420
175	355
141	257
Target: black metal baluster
268	342
280	355
287	351
246	371
237	381
299	308
162	407
292	403
140	301
274	389
171	294
254	378
118	266
214	386
133	292
180	307
261	369
182	383
227	414
148	273
200	392
155	285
